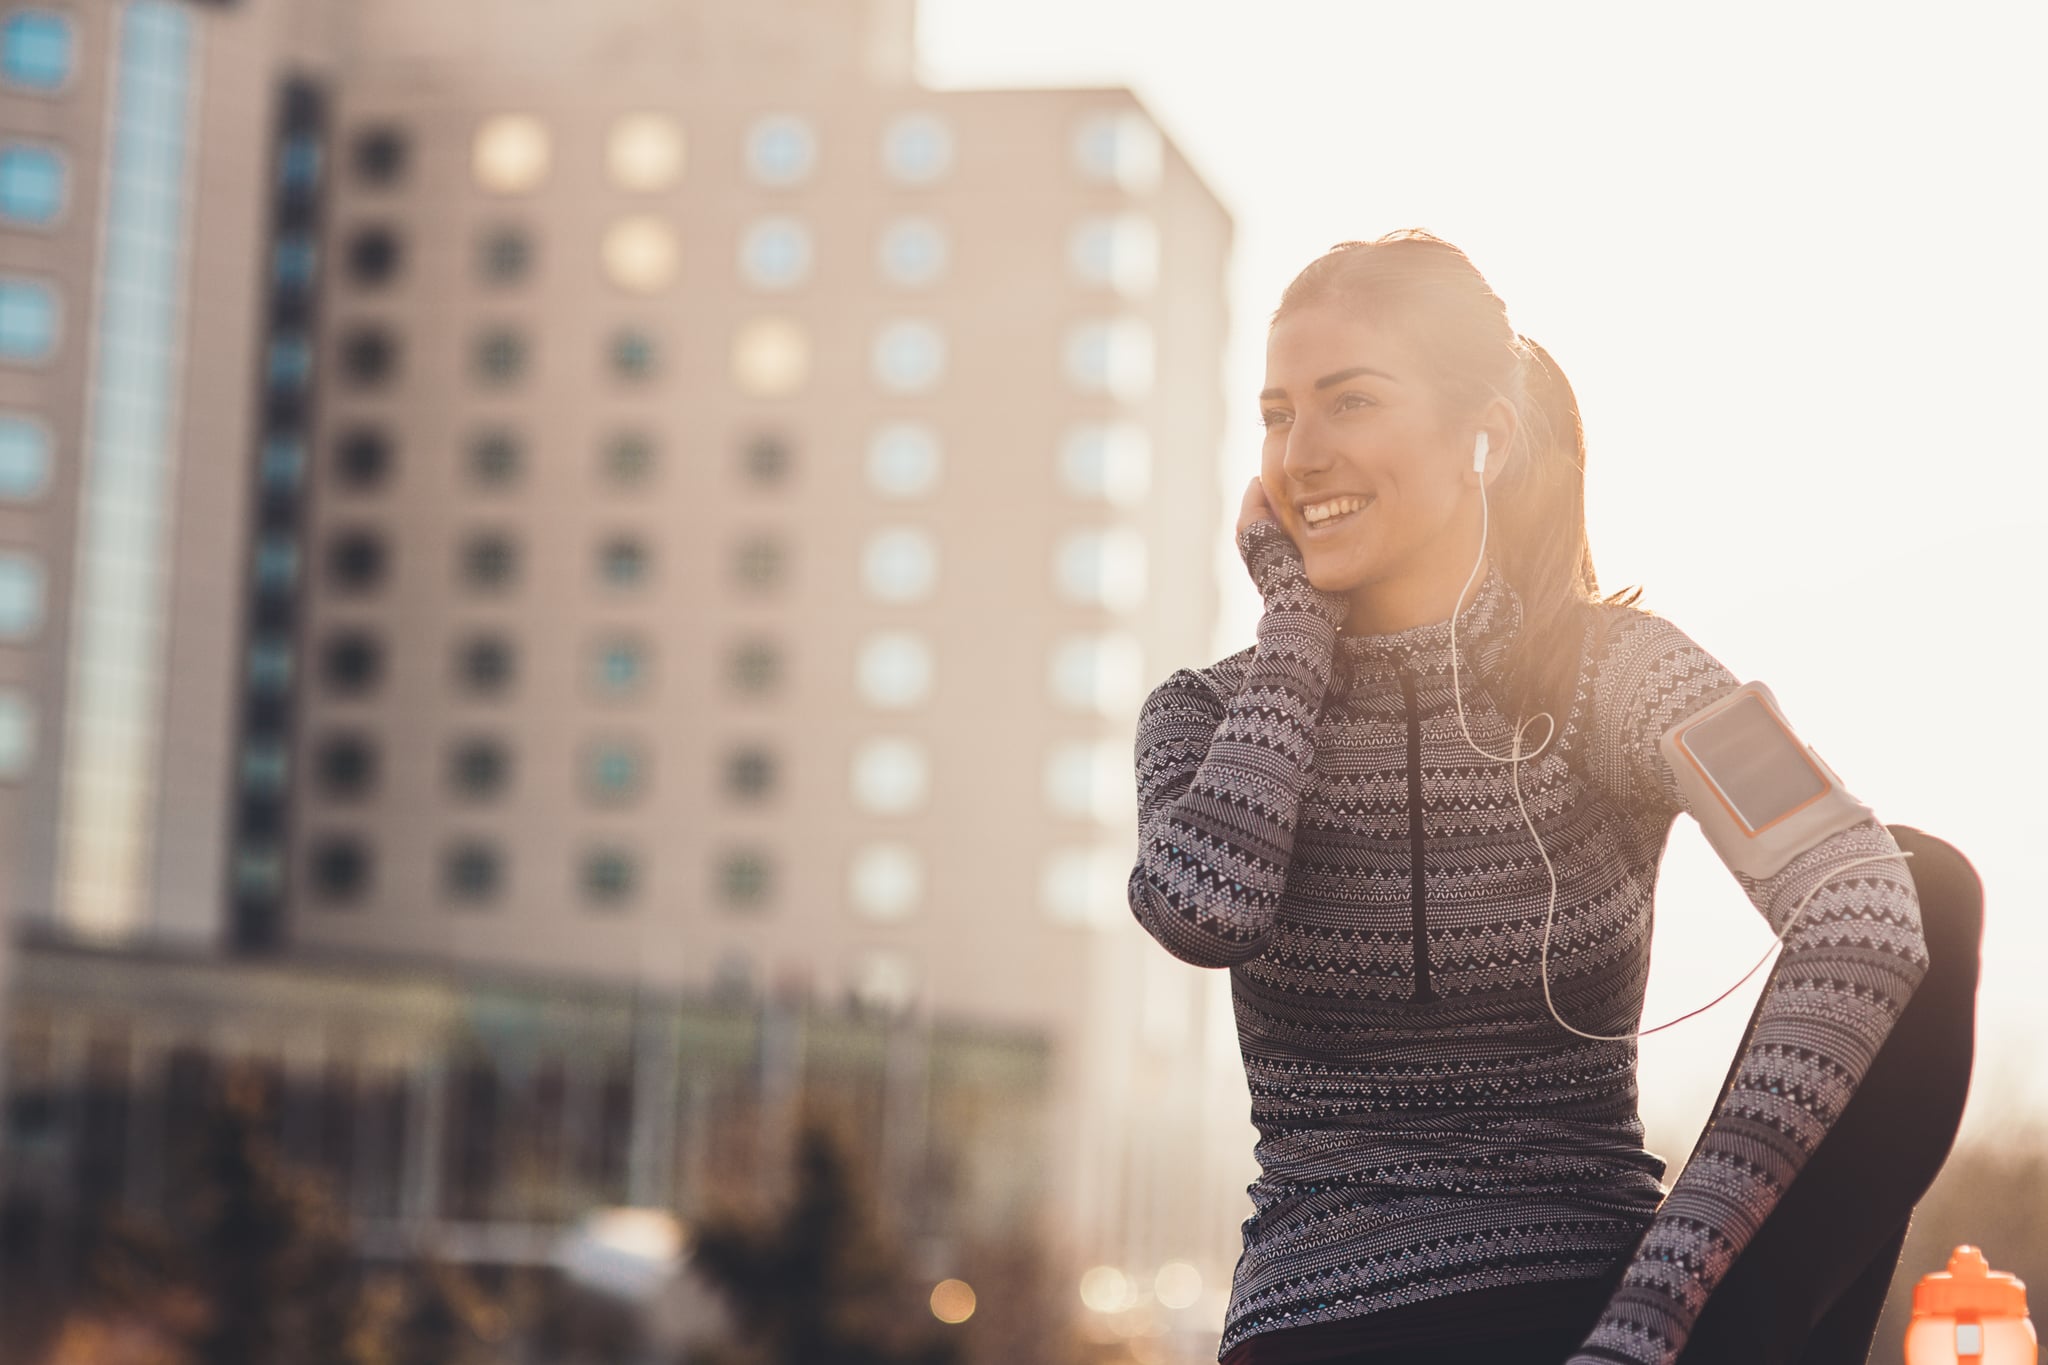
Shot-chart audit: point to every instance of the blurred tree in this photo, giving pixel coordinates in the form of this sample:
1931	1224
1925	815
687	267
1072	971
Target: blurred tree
816	1284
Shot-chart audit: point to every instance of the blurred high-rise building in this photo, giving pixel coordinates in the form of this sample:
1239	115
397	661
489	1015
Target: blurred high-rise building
638	490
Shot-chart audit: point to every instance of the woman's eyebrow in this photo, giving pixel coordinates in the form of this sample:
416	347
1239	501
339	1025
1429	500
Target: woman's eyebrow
1336	378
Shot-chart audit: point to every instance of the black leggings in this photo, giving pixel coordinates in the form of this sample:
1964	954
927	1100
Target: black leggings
1809	1286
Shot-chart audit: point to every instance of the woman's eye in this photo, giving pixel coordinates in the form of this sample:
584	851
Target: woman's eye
1347	401
1272	418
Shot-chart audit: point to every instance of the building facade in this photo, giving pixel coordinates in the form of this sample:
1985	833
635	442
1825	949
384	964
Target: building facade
635	492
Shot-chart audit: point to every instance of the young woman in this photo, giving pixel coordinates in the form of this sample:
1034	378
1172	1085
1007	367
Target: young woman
1420	822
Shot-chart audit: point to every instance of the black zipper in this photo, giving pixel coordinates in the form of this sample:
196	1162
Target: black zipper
1418	884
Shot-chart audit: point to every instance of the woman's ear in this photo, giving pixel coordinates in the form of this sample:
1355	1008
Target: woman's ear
1500	422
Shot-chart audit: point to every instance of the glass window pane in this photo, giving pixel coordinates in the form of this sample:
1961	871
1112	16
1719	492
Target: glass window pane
511	153
640	254
909	357
21	595
1103	674
781	150
1085	887
775	253
900	564
1122	149
903	460
17	733
771	357
28	319
917	148
1111	358
894	670
36	49
24	457
1120	253
890	776
913	252
1107	461
886	881
1102	568
31	185
644	152
1090	780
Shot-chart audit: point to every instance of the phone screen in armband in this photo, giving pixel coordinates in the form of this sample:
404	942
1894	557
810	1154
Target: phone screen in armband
1759	793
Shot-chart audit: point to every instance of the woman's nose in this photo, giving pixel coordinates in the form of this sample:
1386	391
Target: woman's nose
1308	452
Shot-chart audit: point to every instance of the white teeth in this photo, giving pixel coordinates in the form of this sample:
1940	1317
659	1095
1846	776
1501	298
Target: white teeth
1337	507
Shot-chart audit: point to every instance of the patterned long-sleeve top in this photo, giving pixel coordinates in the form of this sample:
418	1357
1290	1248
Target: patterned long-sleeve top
1312	818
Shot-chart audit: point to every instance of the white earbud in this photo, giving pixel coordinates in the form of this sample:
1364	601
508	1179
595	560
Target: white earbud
1479	454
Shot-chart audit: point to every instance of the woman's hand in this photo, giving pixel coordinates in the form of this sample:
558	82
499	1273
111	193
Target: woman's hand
1255	508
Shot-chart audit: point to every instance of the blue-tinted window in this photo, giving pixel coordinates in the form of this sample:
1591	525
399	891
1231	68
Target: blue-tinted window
28	319
31	184
35	49
293	262
291	361
299	166
21	595
24	457
284	461
277	562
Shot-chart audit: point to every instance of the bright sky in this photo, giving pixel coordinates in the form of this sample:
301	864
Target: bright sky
1791	259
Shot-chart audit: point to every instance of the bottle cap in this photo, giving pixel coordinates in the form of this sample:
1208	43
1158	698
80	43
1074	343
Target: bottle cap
1969	1286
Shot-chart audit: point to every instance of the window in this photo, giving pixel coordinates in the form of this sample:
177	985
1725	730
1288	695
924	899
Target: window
913	252
890	776
510	155
380	155
24	458
775	253
883	982
345	765
632	354
781	150
900	564
472	872
771	357
765	459
908	357
31	185
750	773
298	164
489	560
755	667
608	876
373	256
903	460
21	595
745	879
28	319
640	254
1108	462
622	561
1089	780
259	870
17	734
614	770
270	665
644	152
293	262
485	664
618	666
265	764
277	562
1104	568
356	560
283	462
341	868
917	149
1110	358
1120	253
504	255
369	356
1085	887
352	662
362	459
1103	674
290	362
479	768
36	50
628	458
760	561
885	881
500	356
496	458
1121	149
893	670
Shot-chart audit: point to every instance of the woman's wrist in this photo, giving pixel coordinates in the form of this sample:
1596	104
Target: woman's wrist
1281	575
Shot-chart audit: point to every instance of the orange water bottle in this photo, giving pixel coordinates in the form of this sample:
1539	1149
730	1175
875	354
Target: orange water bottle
1970	1314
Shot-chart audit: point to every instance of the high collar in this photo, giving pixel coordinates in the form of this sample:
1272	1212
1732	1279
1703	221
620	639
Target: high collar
1486	627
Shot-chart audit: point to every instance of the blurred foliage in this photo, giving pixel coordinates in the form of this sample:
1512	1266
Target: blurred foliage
816	1283
253	1264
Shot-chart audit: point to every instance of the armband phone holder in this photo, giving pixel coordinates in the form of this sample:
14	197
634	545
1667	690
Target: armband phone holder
1761	795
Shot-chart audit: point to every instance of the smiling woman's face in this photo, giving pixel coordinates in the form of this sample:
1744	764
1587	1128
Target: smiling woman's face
1352	422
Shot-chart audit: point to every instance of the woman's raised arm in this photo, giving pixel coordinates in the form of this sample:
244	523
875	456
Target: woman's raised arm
1220	779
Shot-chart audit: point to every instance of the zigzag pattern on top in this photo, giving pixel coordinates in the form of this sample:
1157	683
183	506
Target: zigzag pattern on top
1417	1143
